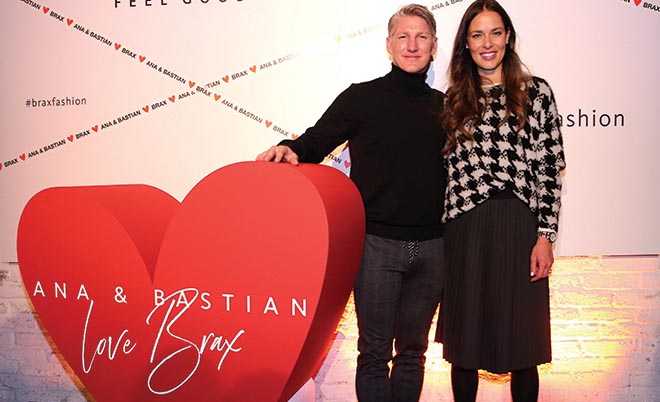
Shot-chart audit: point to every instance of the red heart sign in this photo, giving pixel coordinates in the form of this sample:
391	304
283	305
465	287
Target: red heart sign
231	295
637	2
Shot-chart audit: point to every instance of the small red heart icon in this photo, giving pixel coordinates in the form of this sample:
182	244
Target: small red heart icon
225	78
268	123
172	98
22	156
0	166
146	109
210	299
70	138
117	46
347	164
216	96
46	9
253	69
191	84
95	129
69	21
142	59
638	2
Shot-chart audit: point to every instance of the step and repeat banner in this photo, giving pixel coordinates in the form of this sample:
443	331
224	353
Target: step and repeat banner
163	92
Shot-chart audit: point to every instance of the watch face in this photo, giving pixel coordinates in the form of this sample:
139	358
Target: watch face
548	235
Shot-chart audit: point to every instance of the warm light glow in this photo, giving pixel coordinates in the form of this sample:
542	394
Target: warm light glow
591	338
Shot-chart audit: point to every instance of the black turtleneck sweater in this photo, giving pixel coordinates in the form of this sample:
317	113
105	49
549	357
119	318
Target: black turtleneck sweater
395	142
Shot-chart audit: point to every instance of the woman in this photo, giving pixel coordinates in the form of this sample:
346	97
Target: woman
504	156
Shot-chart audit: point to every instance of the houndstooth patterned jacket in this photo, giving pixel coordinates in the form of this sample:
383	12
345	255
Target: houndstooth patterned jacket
528	161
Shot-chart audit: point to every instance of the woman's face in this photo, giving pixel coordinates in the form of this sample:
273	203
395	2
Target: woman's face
487	41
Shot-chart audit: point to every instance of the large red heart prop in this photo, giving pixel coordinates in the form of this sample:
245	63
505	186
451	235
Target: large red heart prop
232	295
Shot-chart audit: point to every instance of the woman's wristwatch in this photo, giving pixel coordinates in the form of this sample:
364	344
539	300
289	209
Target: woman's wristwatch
547	234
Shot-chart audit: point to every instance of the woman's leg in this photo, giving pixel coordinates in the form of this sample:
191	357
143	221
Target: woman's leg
525	385
464	383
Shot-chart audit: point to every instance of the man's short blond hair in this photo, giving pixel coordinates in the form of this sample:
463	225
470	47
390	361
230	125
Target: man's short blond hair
416	10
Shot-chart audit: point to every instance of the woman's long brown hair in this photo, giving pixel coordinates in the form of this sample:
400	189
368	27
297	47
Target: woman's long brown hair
462	109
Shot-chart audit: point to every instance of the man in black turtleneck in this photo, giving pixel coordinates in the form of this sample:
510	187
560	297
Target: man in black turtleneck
395	142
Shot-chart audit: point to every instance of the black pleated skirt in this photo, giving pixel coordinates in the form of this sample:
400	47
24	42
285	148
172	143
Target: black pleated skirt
492	317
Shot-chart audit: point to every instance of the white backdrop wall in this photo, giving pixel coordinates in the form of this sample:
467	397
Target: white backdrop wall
163	92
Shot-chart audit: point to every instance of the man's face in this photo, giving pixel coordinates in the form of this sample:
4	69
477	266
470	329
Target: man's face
411	44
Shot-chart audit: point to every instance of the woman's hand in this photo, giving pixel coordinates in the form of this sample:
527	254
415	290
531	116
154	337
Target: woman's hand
541	259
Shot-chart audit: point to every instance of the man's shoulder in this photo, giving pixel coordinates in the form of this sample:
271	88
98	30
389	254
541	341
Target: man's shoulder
373	83
438	93
364	88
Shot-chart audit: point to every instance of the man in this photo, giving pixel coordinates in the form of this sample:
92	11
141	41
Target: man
395	142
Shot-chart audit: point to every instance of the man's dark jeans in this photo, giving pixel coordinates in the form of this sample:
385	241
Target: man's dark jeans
396	293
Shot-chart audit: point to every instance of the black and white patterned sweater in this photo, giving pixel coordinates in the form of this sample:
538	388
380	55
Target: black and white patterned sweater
529	161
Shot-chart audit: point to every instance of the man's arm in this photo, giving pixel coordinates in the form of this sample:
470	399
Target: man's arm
333	128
